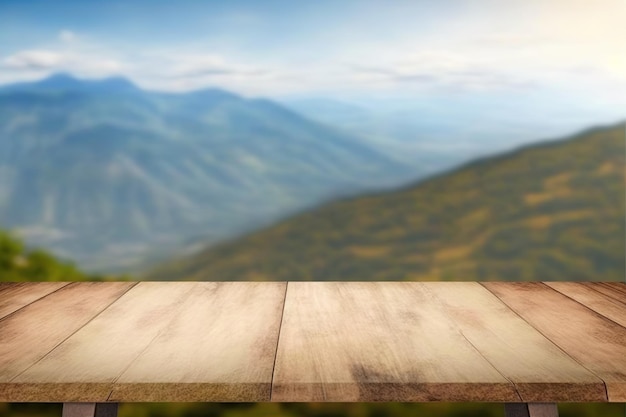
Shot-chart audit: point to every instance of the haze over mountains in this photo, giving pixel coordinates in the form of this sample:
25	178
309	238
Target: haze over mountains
553	211
440	130
112	176
105	173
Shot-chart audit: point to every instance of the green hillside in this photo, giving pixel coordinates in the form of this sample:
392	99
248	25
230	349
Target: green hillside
17	264
553	211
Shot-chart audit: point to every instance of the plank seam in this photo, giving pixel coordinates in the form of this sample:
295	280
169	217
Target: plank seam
613	286
550	340
617	290
610	284
67	284
606	392
619	286
519	395
600	315
280	328
165	326
460	330
605	296
75	331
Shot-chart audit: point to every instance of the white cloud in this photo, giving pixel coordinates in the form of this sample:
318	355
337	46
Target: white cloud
188	70
443	68
31	62
34	60
202	65
520	45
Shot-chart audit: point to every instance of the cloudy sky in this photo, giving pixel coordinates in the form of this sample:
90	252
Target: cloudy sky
325	47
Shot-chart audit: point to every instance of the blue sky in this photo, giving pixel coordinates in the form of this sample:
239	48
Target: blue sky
365	48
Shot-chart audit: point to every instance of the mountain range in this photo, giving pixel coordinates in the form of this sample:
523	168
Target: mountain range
550	211
449	128
107	174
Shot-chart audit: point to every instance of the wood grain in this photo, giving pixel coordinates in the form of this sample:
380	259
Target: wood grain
313	341
613	290
84	367
377	341
591	339
29	334
537	367
586	295
15	295
219	347
618	286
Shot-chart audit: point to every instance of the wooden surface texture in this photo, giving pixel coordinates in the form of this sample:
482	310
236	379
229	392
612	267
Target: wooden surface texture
313	341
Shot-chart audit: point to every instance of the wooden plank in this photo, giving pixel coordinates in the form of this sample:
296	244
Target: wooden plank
590	338
220	347
373	341
598	302
29	334
84	367
15	295
614	290
618	286
538	368
531	410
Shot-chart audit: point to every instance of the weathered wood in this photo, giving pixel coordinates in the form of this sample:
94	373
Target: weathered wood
16	295
531	410
30	333
594	341
537	367
219	347
586	295
616	291
377	341
90	410
339	341
617	286
84	367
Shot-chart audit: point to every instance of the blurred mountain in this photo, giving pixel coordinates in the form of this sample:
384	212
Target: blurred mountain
553	211
105	173
437	131
417	138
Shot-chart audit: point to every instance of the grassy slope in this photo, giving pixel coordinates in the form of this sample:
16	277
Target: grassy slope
19	264
553	211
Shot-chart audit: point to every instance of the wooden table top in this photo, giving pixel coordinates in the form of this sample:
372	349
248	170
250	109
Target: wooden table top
313	341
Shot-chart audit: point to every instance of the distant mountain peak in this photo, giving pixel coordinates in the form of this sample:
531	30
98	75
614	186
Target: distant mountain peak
212	92
59	77
64	81
118	81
